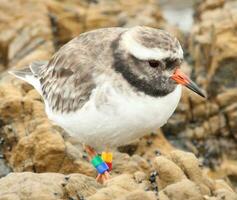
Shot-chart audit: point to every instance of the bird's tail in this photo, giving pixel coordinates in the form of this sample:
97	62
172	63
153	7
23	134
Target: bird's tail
30	74
22	73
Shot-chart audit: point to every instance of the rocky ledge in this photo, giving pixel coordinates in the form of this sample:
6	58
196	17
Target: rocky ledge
175	176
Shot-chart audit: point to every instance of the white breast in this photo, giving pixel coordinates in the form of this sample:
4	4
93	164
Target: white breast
110	118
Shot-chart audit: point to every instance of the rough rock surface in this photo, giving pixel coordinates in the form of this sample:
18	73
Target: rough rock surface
69	20
33	28
31	144
209	128
185	181
21	37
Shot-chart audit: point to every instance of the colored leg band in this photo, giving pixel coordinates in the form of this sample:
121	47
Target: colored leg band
99	164
109	165
107	156
96	161
102	168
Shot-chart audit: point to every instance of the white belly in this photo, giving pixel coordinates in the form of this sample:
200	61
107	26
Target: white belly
117	119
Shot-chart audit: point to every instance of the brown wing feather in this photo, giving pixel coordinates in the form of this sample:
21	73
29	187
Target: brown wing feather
67	80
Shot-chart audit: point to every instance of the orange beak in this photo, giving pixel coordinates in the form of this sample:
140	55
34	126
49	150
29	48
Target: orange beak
183	79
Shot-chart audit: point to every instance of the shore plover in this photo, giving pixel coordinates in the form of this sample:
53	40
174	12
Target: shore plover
110	86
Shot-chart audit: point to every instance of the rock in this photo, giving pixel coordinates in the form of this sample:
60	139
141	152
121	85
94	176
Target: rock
227	170
123	13
187	182
209	5
225	194
138	195
182	190
231	114
191	168
205	109
184	166
149	146
21	35
4	168
220	184
226	98
69	19
167	176
219	41
48	24
129	164
217	46
74	186
45	186
154	144
208	127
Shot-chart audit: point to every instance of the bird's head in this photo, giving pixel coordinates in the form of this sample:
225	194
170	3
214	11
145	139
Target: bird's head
150	60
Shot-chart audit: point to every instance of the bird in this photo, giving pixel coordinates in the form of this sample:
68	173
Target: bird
110	86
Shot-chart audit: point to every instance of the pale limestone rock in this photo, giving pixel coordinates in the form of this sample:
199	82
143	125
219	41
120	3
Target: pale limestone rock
208	126
184	189
191	168
166	175
46	186
24	30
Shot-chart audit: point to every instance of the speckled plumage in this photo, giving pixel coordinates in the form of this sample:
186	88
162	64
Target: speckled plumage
67	79
97	84
151	38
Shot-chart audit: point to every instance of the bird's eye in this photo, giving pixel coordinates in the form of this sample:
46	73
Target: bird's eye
154	63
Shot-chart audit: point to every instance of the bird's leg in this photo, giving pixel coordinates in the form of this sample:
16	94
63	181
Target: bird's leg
101	167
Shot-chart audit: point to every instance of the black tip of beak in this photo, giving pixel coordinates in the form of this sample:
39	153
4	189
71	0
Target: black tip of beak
192	86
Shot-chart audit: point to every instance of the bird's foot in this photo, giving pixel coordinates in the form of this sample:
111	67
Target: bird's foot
102	178
107	157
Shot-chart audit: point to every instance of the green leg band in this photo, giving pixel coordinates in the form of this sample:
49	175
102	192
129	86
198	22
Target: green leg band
96	161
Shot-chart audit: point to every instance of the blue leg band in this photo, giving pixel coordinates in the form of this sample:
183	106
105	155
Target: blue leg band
102	168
